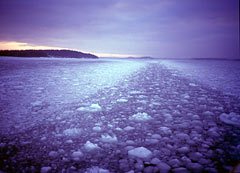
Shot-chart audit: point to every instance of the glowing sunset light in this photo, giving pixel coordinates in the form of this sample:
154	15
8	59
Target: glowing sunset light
22	46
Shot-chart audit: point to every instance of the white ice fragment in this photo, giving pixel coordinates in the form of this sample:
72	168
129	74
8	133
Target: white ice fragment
232	118
165	130
108	138
96	169
129	128
122	100
53	154
118	129
97	129
156	136
168	117
77	154
95	107
72	132
140	117
46	169
90	146
43	138
135	92
92	108
36	103
69	141
192	84
140	152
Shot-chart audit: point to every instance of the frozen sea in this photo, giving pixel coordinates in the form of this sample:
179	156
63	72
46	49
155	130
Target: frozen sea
118	115
222	75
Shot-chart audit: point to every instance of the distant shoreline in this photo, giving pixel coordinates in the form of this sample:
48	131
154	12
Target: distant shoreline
47	53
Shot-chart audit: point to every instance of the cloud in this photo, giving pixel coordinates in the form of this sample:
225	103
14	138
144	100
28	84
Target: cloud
152	27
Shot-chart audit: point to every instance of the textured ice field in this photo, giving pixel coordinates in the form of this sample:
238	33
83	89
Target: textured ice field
29	84
69	115
220	74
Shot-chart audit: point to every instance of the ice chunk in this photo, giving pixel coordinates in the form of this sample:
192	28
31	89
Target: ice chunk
36	103
165	130
140	117
129	128
135	92
97	129
168	117
192	84
72	132
96	169
90	146
232	118
53	154
108	138
122	100
76	155
92	108
95	107
46	169
140	152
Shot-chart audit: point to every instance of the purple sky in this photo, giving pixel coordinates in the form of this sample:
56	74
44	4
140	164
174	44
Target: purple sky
159	28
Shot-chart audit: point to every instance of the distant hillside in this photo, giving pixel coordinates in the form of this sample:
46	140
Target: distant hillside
46	53
144	57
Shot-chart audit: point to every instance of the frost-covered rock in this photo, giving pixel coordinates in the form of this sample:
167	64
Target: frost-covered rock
46	169
72	132
232	118
108	138
96	169
140	152
90	146
140	117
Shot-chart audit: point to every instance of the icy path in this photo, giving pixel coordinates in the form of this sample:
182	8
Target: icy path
152	120
38	87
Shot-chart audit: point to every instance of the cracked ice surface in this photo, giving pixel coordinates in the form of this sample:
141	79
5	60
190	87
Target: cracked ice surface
38	86
151	119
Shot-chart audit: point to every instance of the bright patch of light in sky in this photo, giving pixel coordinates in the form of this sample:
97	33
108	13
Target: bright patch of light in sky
22	46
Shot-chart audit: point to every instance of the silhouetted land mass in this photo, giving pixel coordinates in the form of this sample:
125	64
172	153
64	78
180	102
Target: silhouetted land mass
47	53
